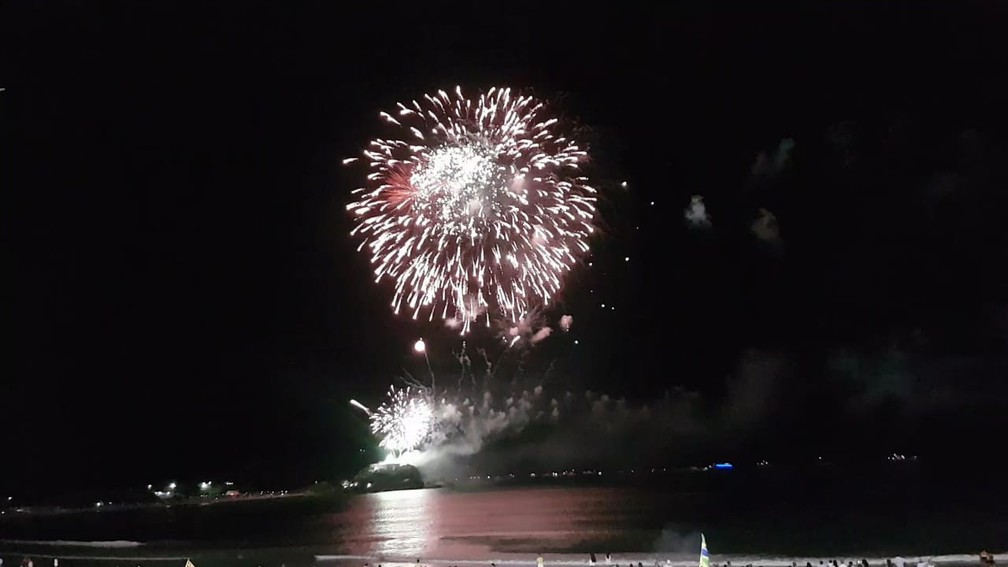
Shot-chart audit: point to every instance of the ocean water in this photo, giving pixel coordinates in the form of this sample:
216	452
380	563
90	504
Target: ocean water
759	519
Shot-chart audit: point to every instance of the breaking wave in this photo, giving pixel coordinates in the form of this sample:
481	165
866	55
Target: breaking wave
114	544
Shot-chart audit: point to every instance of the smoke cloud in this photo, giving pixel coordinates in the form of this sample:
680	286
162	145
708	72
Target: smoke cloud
524	424
765	227
912	384
534	427
696	213
540	335
531	329
565	322
770	165
671	541
755	387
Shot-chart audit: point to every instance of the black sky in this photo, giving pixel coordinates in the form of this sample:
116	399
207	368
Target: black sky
182	297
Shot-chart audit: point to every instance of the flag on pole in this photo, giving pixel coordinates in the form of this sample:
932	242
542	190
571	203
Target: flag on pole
704	556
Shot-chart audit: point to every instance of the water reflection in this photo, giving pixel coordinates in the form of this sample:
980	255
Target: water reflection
401	522
442	523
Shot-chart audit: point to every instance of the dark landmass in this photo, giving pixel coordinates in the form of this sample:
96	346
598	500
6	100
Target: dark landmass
384	477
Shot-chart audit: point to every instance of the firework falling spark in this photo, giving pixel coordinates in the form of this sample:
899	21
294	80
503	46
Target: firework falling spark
476	209
360	406
403	422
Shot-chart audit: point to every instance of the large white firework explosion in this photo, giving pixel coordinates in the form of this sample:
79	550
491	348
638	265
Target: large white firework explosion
475	208
402	422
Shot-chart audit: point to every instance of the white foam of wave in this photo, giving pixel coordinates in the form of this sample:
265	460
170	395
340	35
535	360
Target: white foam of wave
652	559
114	544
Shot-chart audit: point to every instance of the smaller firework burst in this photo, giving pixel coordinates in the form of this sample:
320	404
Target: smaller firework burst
404	421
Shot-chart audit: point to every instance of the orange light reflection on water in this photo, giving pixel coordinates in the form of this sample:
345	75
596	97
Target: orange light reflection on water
470	525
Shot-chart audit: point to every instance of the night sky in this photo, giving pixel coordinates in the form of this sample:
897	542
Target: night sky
183	300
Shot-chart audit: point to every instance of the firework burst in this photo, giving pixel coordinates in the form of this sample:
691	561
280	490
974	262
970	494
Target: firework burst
403	422
475	209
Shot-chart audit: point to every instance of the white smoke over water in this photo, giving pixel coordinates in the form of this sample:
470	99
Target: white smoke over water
551	427
671	541
508	422
492	424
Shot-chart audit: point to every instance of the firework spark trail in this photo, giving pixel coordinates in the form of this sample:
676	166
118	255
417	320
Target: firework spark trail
403	422
477	209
